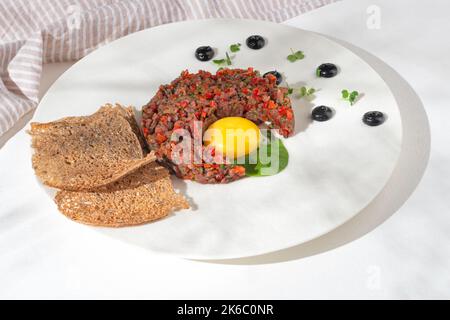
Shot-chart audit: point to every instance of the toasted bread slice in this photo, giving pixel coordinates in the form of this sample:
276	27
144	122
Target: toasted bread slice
142	196
83	153
128	114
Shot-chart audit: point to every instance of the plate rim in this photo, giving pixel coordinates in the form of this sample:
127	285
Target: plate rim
255	252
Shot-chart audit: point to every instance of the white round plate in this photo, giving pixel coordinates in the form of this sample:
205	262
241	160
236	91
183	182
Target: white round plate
335	168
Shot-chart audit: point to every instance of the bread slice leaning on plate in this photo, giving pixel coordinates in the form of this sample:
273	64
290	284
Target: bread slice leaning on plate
100	165
140	197
83	153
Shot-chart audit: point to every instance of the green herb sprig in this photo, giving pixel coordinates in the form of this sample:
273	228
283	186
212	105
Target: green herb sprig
294	56
350	96
306	92
302	91
290	90
225	61
235	47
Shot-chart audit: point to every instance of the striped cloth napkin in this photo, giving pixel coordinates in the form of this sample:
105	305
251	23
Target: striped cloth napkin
33	32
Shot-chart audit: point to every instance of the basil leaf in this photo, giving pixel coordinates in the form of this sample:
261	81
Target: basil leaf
256	170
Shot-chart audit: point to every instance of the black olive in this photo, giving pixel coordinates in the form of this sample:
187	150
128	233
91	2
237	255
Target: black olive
204	53
322	113
255	42
326	70
373	118
276	74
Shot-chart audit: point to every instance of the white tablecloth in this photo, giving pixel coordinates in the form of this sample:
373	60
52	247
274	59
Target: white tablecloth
407	256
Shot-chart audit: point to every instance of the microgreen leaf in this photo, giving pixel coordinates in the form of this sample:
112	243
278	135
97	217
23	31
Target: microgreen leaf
299	55
225	61
303	91
289	89
219	61
294	56
350	96
235	47
354	94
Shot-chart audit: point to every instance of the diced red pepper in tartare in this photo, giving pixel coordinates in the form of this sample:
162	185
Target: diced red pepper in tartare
208	97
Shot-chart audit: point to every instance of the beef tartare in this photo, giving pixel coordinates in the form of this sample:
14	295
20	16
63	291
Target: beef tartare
205	97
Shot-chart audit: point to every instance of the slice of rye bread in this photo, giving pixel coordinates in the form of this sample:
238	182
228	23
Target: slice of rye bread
107	109
128	114
142	196
82	153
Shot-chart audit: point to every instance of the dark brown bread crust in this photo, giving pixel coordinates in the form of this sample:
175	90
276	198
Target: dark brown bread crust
83	153
143	196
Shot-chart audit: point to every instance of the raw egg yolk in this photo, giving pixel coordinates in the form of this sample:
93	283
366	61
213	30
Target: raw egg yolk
233	137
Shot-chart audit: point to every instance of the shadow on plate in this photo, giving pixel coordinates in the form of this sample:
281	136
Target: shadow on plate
406	176
180	186
302	108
